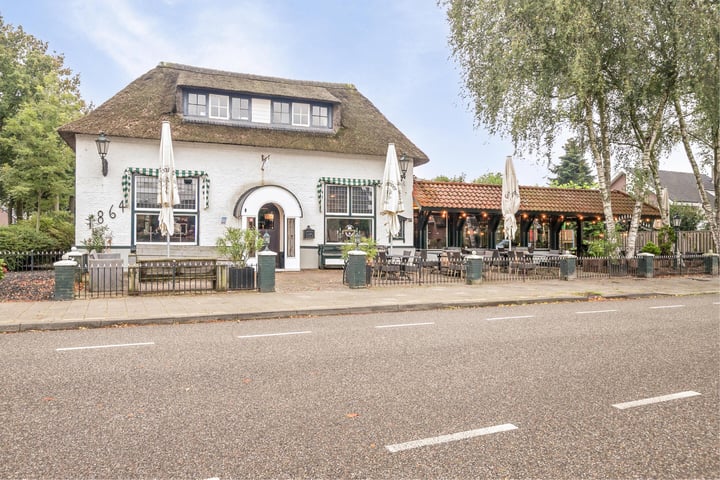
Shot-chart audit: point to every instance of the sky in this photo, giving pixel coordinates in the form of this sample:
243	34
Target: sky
395	52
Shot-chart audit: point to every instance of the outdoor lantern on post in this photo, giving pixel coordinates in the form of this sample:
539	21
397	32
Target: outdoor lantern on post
266	239
404	165
676	220
103	143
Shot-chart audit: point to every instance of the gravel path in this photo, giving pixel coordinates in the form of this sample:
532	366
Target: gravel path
27	286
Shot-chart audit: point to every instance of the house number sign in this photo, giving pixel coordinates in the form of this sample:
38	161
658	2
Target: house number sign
100	217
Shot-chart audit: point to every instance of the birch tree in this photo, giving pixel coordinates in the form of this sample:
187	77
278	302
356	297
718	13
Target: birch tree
533	68
697	100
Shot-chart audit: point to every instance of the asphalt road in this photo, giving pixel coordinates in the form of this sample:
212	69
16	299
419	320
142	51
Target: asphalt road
537	391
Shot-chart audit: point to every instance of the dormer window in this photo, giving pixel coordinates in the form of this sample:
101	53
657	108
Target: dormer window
241	109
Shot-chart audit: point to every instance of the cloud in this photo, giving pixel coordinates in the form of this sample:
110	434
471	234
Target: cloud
137	35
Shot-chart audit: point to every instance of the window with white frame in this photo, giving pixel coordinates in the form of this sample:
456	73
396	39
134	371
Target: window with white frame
219	106
348	205
146	211
301	114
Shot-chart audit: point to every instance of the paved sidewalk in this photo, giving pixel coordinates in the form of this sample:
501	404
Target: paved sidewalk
322	293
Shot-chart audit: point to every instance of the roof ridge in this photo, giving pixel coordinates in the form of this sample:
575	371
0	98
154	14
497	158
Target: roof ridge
250	76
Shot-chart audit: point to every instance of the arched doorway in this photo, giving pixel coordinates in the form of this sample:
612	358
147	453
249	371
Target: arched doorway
275	210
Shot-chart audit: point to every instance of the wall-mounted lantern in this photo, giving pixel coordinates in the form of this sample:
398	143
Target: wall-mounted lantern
103	143
404	165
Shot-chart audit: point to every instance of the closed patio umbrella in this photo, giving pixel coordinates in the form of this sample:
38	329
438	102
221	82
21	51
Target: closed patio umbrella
510	199
391	193
167	184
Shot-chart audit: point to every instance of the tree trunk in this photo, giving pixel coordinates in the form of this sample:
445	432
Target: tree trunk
712	217
601	155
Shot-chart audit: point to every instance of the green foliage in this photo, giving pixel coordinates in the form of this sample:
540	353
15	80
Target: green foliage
100	239
3	268
38	94
367	245
666	237
445	178
239	244
489	178
573	168
22	237
57	232
690	217
650	247
59	225
604	247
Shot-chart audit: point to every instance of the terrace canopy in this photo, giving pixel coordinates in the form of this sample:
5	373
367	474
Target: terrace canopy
456	214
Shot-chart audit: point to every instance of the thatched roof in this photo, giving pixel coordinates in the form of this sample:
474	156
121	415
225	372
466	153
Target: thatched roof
138	110
457	196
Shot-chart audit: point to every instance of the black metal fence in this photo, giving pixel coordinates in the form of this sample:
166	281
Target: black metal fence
30	261
537	268
111	279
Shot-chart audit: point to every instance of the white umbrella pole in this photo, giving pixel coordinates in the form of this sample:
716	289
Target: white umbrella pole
168	244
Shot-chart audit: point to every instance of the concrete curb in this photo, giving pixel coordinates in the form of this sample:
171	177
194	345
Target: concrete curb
307	312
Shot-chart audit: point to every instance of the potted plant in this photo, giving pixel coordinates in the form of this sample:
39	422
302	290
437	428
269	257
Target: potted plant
239	245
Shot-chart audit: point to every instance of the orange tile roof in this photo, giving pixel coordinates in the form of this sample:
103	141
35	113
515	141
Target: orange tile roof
430	195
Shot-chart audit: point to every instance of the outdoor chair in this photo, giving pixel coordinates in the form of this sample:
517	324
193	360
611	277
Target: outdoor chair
521	262
456	265
383	266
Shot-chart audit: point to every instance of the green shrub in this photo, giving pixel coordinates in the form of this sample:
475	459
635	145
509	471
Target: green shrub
367	245
239	244
666	237
57	232
3	268
23	238
100	239
650	247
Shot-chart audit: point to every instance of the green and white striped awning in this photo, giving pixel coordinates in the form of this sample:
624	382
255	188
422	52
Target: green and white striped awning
355	182
153	172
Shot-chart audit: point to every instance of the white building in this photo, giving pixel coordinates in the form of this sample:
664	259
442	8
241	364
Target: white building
299	160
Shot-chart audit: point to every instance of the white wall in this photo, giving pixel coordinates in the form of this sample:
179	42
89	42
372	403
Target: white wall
232	171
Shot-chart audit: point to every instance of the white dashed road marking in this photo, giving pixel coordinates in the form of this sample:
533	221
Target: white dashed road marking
404	325
104	346
667	306
510	318
453	437
596	311
274	334
648	401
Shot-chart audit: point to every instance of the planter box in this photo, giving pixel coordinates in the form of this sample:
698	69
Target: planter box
241	278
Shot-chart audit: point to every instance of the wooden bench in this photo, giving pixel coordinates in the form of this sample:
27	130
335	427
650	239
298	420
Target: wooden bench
330	256
171	269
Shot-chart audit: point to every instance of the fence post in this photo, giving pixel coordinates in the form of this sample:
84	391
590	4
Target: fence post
473	269
266	271
221	274
356	271
65	279
646	265
568	269
133	279
711	263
